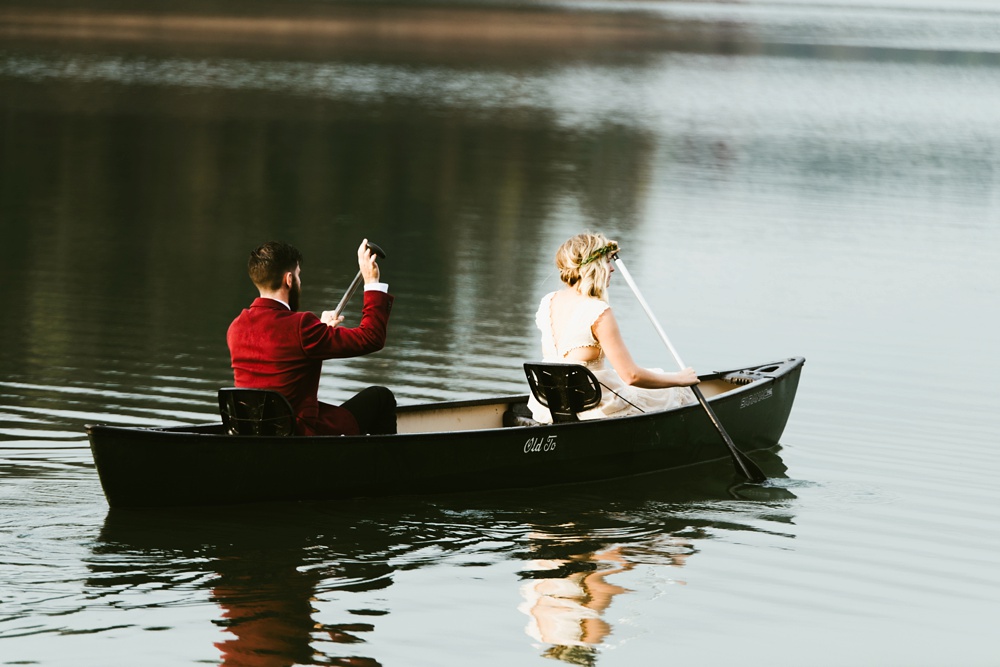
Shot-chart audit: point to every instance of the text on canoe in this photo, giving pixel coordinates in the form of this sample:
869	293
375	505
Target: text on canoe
541	443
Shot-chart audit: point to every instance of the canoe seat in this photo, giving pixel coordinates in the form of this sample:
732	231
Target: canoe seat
255	412
565	389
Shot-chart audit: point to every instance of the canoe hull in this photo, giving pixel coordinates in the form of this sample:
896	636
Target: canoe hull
202	466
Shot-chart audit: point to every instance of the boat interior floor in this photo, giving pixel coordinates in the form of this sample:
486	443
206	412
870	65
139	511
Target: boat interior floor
512	412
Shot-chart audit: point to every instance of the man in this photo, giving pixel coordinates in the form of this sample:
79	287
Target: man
273	346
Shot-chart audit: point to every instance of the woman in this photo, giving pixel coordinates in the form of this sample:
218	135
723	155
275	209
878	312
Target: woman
578	326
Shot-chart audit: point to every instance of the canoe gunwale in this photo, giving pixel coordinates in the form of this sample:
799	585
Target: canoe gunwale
213	429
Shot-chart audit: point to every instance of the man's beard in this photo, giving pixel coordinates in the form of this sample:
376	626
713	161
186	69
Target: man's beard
293	296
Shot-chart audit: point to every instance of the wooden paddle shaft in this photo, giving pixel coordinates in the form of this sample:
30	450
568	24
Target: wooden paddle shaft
649	313
358	279
749	469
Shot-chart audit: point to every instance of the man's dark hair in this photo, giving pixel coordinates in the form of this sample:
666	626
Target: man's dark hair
270	262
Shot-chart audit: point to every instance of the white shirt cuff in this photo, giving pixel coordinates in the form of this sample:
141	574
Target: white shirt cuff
381	287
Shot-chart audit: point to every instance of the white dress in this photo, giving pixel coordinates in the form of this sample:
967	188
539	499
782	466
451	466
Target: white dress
617	398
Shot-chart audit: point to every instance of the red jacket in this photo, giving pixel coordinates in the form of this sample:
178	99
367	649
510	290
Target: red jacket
274	348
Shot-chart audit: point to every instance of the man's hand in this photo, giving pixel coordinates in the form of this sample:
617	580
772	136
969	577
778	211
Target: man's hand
366	263
328	318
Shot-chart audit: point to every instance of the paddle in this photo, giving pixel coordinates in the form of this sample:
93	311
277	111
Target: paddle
748	468
358	279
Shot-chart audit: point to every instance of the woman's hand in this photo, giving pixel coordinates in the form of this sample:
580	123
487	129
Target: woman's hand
686	377
367	264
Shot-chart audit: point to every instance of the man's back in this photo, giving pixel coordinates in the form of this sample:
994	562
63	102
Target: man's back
275	348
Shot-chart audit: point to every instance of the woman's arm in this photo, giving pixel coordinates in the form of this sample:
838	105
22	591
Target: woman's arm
607	333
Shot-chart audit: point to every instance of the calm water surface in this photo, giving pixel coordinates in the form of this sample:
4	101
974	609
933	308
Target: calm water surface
786	179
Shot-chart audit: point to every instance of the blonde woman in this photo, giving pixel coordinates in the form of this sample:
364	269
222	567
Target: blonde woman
578	326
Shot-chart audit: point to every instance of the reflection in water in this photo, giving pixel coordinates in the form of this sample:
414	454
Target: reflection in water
569	579
262	567
268	614
823	176
275	573
129	163
565	598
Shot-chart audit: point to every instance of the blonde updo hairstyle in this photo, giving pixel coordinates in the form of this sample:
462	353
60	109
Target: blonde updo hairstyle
590	279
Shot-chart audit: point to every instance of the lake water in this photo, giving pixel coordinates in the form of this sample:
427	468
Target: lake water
785	179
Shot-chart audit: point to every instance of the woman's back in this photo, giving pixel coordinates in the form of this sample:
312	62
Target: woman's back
566	319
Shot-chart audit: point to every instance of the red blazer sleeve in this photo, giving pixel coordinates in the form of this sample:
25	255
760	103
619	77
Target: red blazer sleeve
320	341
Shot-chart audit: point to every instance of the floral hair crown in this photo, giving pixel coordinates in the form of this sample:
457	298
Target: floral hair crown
609	249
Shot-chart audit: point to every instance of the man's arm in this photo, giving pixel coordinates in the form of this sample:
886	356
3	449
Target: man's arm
322	341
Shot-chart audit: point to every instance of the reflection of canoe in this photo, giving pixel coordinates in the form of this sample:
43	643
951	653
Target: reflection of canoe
441	447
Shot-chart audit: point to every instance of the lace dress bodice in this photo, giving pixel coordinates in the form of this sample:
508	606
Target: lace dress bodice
575	331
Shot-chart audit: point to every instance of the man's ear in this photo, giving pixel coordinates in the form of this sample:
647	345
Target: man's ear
288	280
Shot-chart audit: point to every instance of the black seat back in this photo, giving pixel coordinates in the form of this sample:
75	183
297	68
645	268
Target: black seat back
255	412
565	389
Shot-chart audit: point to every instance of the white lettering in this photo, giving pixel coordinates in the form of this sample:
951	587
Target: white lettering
747	401
540	444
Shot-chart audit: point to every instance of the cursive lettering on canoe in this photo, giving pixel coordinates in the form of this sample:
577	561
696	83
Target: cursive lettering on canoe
541	443
757	397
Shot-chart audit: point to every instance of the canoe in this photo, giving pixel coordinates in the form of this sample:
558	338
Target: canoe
455	446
